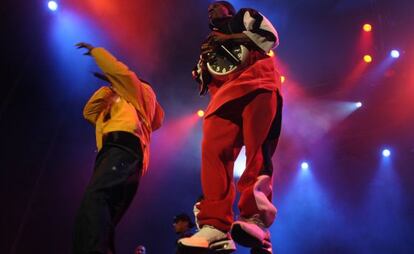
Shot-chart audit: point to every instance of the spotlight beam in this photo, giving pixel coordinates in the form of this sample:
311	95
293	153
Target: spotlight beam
52	5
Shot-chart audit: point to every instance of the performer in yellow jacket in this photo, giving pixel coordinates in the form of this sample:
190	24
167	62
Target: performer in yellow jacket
124	115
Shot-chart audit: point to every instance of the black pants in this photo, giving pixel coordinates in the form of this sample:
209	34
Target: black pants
114	182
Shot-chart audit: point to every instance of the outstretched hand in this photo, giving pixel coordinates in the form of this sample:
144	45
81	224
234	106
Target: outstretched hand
85	45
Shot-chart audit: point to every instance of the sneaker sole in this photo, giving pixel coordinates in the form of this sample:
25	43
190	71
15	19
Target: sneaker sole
259	251
243	238
182	249
222	247
223	251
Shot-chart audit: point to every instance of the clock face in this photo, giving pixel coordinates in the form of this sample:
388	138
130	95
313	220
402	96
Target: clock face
221	63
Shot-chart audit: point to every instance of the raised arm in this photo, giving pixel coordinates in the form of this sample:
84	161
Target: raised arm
123	81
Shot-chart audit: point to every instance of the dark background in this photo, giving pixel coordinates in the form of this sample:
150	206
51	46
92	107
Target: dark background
351	200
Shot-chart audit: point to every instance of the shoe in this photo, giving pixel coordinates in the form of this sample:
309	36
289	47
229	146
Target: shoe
223	247
253	234
266	248
208	238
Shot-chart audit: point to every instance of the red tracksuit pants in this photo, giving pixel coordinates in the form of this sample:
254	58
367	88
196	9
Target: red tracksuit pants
253	121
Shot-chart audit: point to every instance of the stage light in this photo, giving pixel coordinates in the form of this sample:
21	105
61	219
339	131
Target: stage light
200	113
53	6
282	79
367	58
358	104
367	27
271	53
304	165
395	53
386	153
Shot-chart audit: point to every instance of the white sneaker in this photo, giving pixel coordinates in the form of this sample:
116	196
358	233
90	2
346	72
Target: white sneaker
209	238
252	233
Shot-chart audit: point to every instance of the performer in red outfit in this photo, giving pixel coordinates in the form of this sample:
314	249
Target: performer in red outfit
245	110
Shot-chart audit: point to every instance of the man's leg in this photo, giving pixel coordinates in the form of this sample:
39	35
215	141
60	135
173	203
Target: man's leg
220	146
121	196
110	191
256	209
260	122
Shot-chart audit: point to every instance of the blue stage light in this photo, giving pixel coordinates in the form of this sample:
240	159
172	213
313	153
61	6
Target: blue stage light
358	104
395	53
304	165
53	6
386	153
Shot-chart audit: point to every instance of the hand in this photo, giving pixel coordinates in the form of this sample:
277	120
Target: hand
206	48
85	45
220	37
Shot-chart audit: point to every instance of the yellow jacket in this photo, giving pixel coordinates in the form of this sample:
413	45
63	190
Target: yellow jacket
127	105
